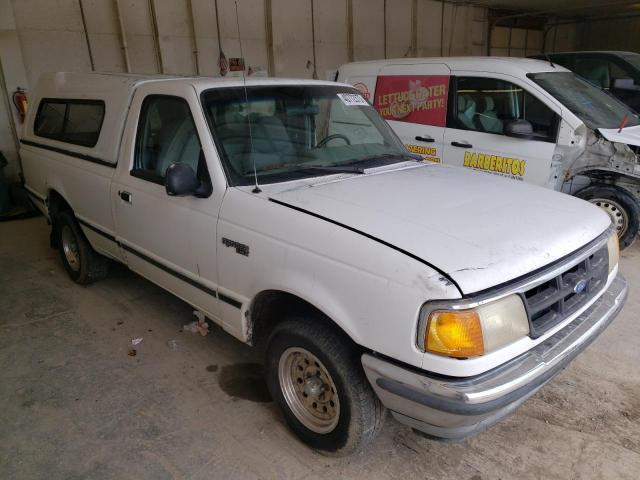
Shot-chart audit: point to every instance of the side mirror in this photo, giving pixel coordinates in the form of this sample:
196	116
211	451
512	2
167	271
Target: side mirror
519	128
624	84
181	180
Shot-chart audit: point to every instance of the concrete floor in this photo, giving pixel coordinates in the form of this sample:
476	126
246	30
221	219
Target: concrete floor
74	404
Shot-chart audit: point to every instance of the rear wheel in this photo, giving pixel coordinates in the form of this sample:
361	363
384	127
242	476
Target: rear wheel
316	378
621	207
81	262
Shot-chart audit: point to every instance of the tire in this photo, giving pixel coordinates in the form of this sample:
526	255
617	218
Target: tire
81	262
621	207
348	415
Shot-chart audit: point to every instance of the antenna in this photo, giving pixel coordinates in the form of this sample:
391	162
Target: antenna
256	188
546	55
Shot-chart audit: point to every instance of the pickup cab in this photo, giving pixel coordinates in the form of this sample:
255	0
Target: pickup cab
290	214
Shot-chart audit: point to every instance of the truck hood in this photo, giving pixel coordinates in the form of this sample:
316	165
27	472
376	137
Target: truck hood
479	229
629	135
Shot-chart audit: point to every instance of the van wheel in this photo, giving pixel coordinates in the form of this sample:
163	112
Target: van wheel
81	262
316	378
621	207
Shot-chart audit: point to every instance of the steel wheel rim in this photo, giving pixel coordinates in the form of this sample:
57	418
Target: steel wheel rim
309	390
617	214
70	248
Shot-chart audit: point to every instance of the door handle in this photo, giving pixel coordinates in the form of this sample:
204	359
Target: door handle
126	196
424	138
461	144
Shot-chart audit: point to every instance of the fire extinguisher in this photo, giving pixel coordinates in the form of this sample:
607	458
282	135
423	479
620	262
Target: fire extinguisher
20	101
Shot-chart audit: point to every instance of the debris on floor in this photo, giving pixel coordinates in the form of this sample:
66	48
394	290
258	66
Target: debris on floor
136	341
132	352
198	326
172	344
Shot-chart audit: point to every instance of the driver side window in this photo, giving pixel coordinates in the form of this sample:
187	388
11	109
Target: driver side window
487	104
166	135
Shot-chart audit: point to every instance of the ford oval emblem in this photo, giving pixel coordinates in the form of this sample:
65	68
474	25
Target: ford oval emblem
580	287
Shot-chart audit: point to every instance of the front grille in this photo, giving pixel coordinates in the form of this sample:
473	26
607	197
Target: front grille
554	300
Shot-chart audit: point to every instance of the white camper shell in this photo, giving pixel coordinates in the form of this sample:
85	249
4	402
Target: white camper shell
523	119
290	214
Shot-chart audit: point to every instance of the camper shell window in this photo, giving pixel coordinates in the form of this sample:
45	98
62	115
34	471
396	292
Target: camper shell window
71	121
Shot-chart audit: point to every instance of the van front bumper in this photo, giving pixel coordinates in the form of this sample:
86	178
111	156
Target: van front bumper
455	408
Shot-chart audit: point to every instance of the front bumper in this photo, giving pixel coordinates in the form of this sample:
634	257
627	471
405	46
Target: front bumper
455	408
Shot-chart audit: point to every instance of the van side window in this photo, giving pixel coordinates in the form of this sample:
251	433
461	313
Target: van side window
487	104
70	121
166	135
418	99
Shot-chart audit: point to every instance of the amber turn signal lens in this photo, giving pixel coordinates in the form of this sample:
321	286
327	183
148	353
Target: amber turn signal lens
455	334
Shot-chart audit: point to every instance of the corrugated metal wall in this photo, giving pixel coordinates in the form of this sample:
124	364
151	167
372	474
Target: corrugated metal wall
52	35
181	37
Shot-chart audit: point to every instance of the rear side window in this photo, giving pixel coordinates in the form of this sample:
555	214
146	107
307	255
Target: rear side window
70	121
418	99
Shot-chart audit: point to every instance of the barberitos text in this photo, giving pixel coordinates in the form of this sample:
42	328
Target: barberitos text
495	163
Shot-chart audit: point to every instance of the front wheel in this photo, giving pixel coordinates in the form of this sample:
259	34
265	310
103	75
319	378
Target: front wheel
621	207
316	378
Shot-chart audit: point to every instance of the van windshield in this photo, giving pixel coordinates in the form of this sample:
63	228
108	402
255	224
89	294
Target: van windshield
633	59
293	132
594	107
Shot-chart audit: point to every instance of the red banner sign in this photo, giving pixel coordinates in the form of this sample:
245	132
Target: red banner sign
415	98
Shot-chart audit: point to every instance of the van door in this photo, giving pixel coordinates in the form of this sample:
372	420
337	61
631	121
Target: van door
480	107
413	99
169	240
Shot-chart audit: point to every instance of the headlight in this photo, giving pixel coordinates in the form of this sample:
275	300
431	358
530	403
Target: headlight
613	245
463	333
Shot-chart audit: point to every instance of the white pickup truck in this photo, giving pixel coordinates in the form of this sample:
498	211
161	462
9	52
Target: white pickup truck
292	216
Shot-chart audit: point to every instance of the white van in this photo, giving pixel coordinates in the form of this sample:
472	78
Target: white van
523	119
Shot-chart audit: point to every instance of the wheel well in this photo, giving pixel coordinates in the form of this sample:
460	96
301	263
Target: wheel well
271	307
607	177
57	204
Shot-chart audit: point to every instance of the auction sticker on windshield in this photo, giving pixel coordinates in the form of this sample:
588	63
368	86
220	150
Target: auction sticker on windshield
352	99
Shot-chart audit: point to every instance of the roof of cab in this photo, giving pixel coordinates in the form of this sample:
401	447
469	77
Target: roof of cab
104	85
507	65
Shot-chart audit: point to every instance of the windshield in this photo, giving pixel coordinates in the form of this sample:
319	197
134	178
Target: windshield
633	59
292	132
596	108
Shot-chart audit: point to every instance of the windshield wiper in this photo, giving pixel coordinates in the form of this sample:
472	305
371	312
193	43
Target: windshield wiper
348	167
383	156
330	168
